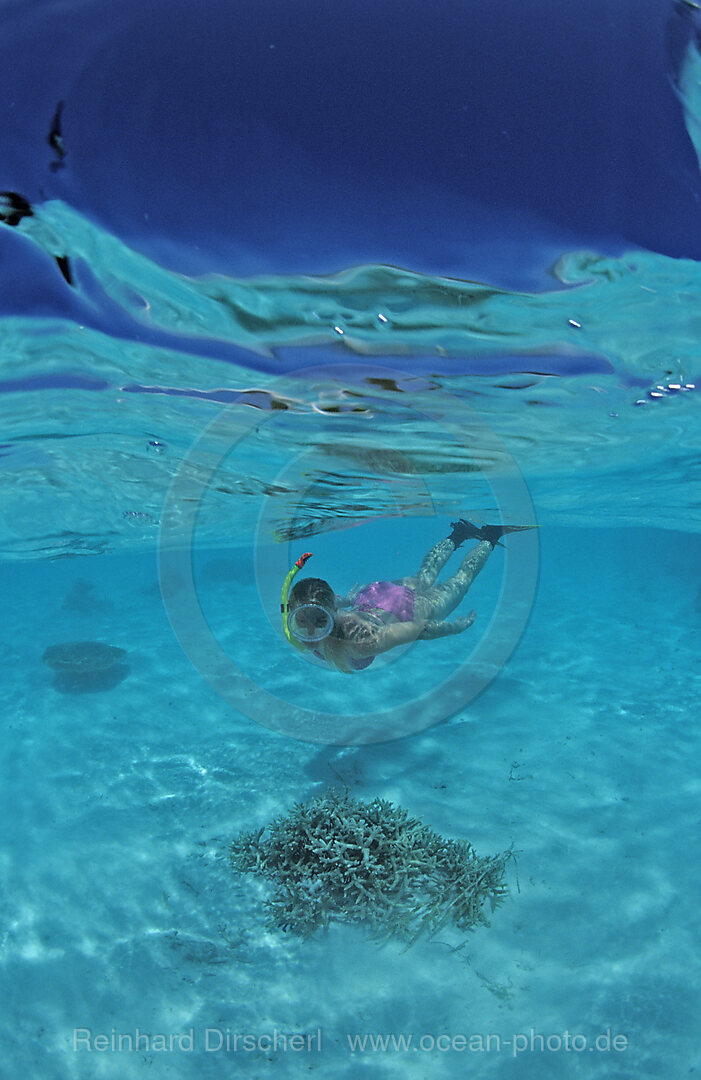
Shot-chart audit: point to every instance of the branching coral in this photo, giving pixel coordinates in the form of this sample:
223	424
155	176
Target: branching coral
336	858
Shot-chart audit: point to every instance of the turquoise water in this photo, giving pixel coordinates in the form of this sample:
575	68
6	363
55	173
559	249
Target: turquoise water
172	440
122	912
154	496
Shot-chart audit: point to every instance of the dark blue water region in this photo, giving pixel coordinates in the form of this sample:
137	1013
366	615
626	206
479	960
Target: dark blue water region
266	135
290	361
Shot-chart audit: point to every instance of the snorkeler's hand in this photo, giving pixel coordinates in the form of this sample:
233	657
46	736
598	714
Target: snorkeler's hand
433	630
349	597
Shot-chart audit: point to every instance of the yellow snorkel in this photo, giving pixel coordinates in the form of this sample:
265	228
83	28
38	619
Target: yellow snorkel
284	606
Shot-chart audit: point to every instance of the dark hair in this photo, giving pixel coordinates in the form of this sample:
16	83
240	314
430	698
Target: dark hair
312	590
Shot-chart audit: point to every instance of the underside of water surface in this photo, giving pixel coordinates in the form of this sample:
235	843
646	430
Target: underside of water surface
400	392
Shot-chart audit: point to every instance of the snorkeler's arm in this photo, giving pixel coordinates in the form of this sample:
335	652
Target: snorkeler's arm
434	630
403	633
396	634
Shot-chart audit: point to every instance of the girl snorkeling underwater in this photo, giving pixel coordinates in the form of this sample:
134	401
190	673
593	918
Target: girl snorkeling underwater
348	632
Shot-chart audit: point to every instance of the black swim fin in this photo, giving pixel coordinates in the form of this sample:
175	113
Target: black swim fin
465	530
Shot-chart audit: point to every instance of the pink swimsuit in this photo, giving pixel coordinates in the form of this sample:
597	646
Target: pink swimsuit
384	598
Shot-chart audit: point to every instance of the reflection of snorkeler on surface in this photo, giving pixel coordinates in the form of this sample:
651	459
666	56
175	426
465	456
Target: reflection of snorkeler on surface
348	632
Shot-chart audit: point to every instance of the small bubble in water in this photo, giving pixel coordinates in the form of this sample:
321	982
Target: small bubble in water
137	515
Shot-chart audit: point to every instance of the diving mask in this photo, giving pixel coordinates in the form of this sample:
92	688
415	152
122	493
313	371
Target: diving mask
310	623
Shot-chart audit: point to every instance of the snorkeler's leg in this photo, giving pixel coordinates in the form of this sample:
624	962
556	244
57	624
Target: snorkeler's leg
440	600
431	566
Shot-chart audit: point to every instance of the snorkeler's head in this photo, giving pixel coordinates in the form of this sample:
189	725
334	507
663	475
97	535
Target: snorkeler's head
312	608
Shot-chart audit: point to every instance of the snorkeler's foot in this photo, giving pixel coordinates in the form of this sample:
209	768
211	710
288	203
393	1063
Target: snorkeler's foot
465	530
462	530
